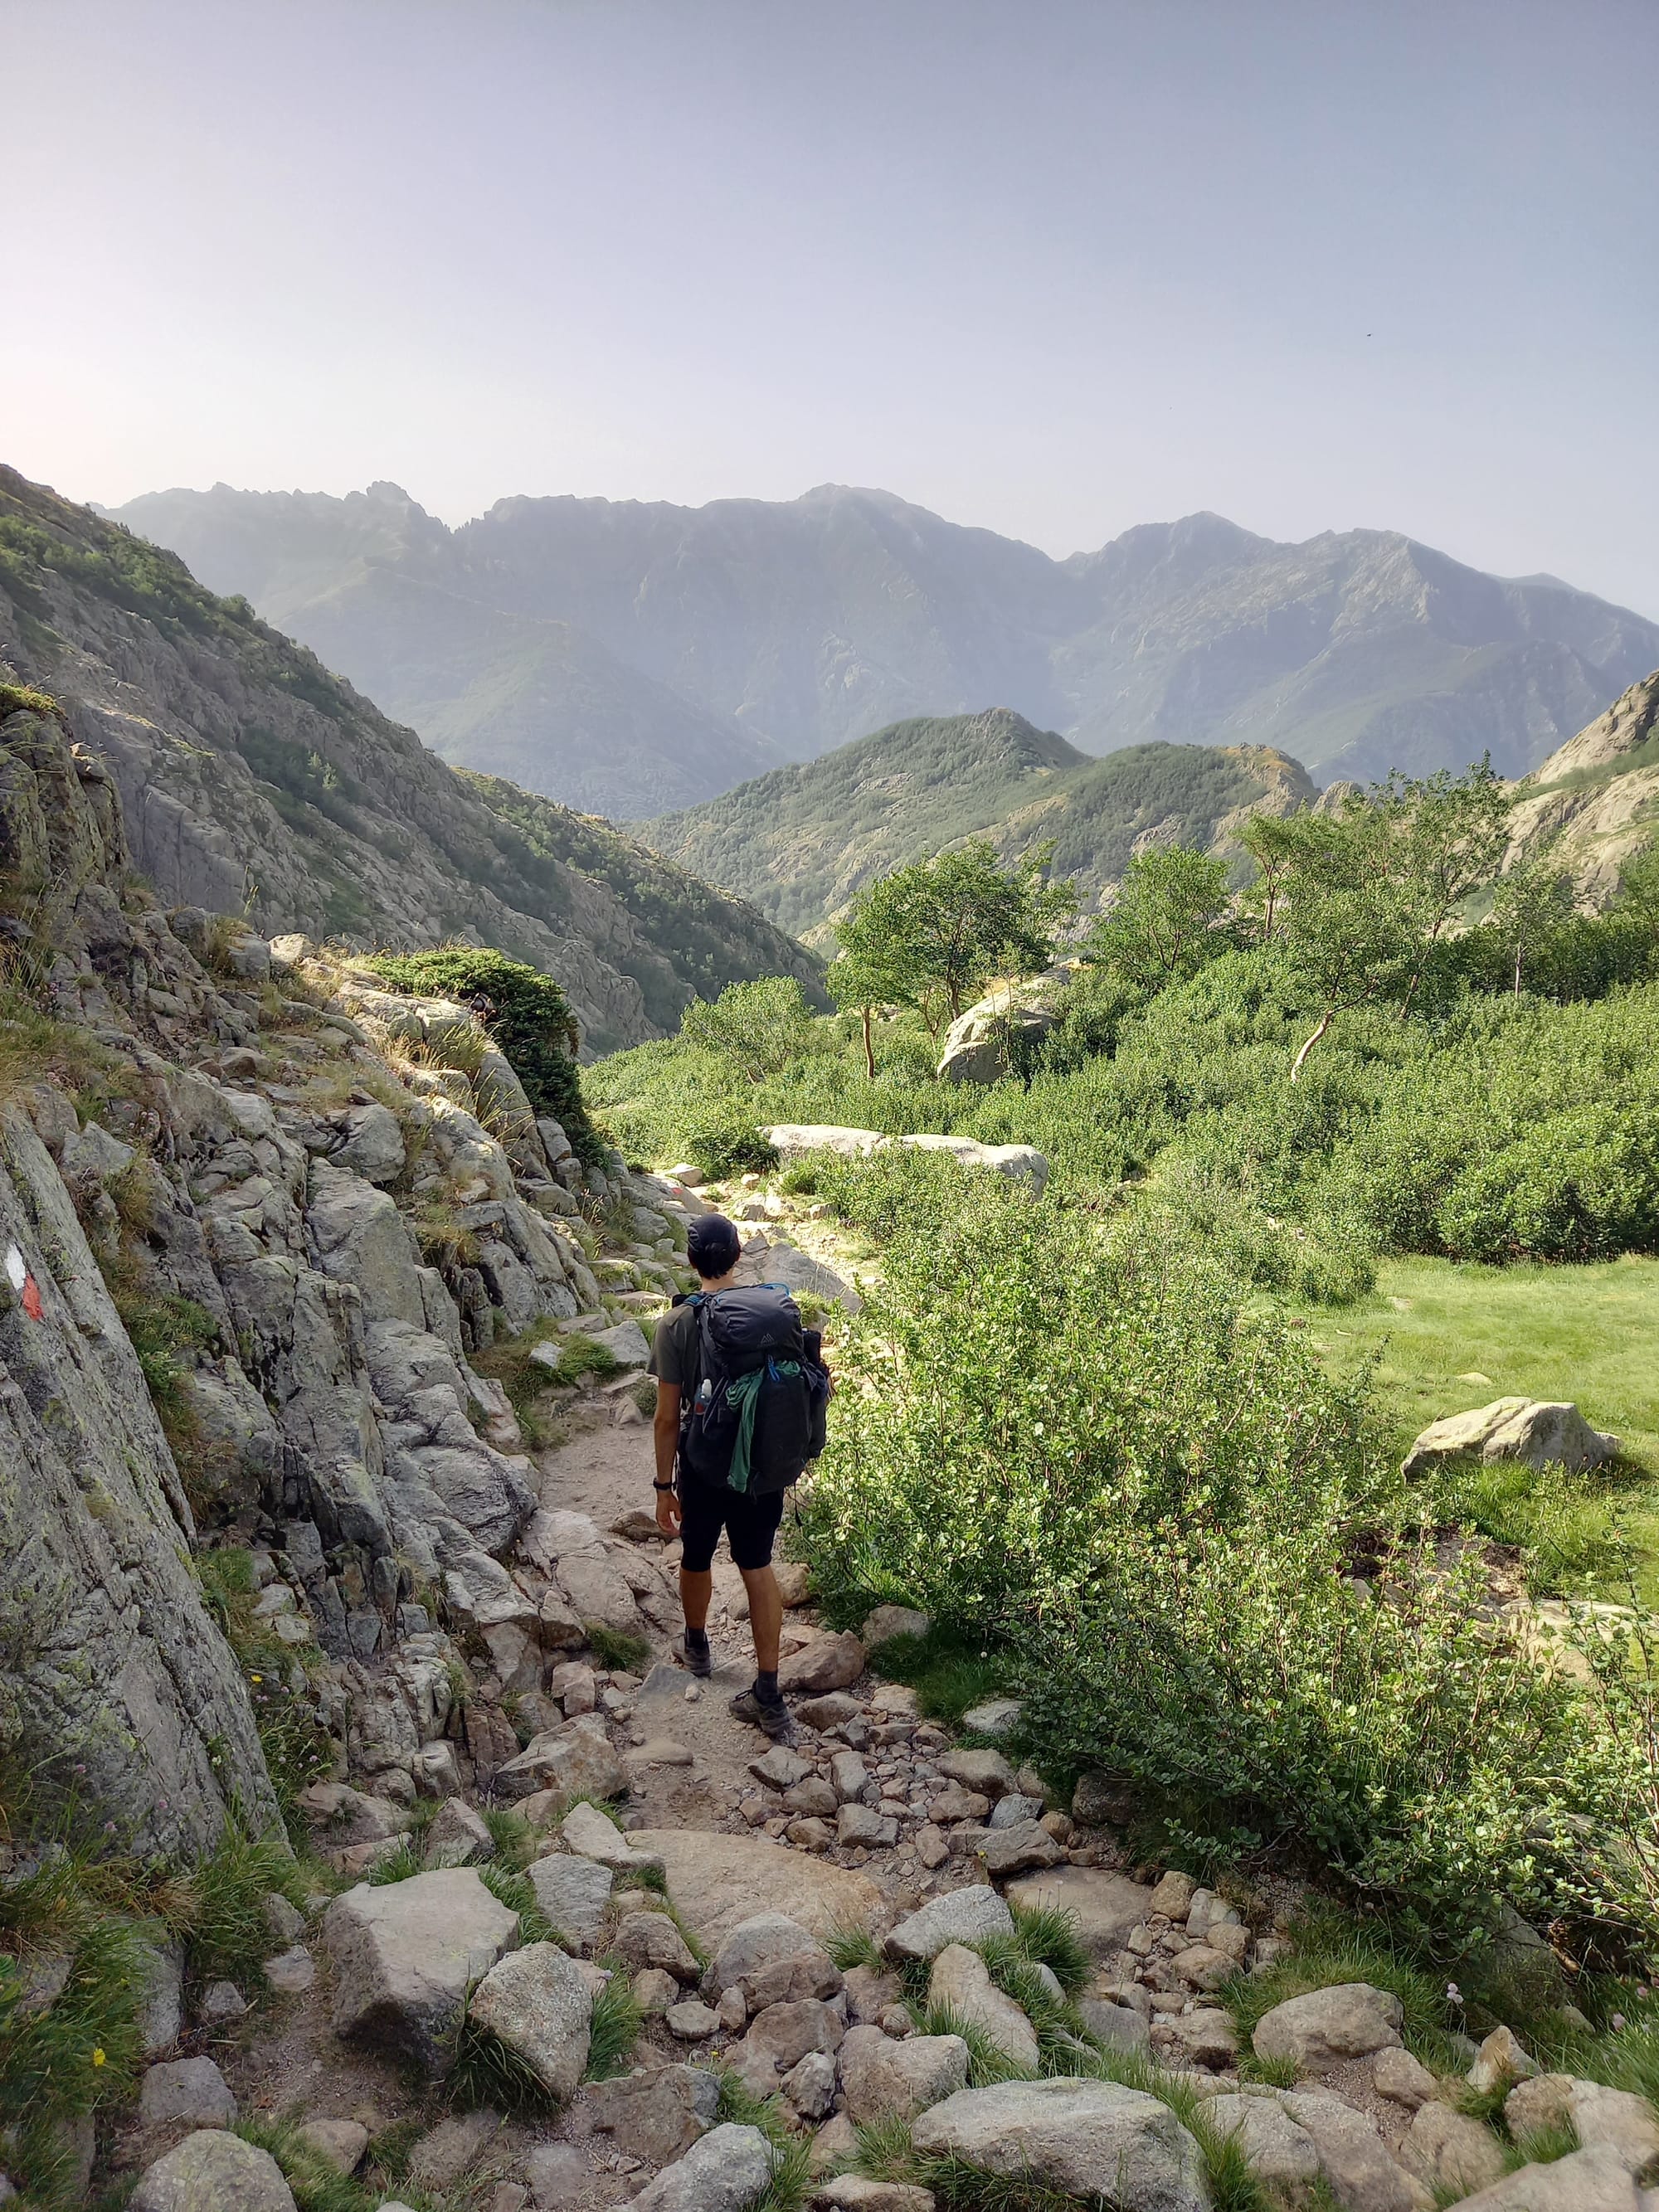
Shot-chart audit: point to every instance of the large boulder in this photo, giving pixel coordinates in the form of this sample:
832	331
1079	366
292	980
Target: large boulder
1281	2153
1541	1432
576	1760
717	1880
991	1039
1450	2153
214	2172
1352	2158
406	1954
826	1663
772	1960
1323	2028
189	2089
537	2005
724	2172
572	1893
1081	2138
1104	1907
882	2079
1016	1163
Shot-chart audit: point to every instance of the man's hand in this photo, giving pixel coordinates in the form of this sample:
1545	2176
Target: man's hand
668	1512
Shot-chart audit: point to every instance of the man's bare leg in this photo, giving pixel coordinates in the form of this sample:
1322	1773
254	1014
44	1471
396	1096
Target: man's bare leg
765	1616
696	1593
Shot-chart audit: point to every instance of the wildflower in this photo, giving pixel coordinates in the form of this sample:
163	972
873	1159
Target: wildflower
1454	1995
256	1678
98	2055
1616	2022
80	1769
109	1827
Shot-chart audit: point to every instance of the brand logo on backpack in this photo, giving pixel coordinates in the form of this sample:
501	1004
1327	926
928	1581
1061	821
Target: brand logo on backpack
758	1415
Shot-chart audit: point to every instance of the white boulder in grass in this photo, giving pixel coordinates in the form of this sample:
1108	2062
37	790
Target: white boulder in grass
1541	1432
1080	2138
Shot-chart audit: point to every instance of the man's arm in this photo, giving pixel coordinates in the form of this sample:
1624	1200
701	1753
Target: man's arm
666	1436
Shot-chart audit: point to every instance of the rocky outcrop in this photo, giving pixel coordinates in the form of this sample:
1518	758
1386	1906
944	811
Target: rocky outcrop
1592	804
250	1248
1017	1163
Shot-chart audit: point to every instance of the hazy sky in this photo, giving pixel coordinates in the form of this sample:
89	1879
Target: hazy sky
1049	267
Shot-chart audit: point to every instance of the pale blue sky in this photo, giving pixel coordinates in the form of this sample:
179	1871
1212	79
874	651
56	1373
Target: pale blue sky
1048	266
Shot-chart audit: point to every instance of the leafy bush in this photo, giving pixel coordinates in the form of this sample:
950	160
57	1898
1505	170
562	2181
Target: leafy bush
1079	1452
525	1014
758	1029
732	1147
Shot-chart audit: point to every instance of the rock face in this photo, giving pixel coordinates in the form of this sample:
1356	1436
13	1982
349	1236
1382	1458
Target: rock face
1079	2137
1539	1432
406	1954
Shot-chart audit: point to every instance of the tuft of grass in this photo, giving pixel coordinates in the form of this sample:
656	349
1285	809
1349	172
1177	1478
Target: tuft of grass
221	1903
987	2061
1047	1936
618	1649
396	1865
513	1836
486	2074
851	1946
615	2027
512	1889
947	1674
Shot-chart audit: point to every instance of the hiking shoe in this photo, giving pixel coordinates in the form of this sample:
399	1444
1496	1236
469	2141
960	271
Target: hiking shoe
774	1721
700	1663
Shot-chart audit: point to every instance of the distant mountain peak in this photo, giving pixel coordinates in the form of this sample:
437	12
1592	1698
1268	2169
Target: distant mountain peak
697	644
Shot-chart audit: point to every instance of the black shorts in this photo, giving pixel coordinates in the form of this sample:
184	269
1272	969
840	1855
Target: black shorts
750	1523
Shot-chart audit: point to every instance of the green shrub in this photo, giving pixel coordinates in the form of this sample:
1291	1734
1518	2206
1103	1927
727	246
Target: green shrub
731	1147
1085	1457
525	1014
754	1028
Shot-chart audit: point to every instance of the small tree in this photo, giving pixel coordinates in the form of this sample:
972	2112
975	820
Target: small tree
761	1028
1368	892
928	936
1271	840
1530	902
1160	926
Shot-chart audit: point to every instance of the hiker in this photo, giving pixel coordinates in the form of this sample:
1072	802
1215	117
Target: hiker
741	1394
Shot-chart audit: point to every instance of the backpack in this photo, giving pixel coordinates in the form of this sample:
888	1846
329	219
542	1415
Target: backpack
759	1413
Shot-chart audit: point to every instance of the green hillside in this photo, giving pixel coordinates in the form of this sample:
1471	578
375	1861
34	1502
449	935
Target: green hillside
800	841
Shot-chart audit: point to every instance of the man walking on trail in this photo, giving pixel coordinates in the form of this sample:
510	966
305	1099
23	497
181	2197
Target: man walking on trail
740	1395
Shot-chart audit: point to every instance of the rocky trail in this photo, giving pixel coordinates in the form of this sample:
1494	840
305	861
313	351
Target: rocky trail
322	1422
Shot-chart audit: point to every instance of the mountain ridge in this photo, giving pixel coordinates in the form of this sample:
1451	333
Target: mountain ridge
253	780
801	841
781	629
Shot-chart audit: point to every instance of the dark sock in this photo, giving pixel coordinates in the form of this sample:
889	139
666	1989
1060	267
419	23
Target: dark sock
766	1687
697	1639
